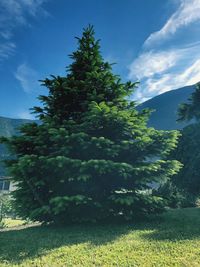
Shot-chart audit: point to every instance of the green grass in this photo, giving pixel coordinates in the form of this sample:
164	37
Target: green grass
13	222
170	240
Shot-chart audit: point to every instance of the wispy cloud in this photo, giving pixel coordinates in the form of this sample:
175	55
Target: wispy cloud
168	81
27	77
6	49
187	13
13	14
150	63
165	70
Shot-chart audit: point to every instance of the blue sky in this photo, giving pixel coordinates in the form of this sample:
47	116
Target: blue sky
156	42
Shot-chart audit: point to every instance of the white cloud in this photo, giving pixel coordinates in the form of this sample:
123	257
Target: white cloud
27	77
163	71
192	74
169	81
34	6
187	13
6	49
13	14
151	63
175	63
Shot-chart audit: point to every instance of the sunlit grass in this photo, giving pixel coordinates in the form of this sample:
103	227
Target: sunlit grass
171	240
8	222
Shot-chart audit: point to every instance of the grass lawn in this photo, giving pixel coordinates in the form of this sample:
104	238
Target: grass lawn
170	240
13	223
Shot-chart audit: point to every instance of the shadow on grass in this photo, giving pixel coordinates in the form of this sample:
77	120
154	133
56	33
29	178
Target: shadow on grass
18	245
176	225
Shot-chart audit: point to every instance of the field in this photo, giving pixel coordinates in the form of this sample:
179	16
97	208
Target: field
172	239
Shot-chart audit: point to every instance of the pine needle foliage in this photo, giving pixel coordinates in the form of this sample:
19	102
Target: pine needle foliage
187	150
92	157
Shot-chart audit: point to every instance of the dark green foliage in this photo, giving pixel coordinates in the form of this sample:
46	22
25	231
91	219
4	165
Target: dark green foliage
188	153
92	157
174	196
4	154
6	206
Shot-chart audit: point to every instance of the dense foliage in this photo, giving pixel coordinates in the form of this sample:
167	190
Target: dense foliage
92	157
6	206
174	195
188	151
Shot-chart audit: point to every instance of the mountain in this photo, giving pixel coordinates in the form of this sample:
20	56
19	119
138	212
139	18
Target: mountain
8	127
166	105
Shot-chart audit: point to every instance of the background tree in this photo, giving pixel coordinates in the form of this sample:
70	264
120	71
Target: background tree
92	157
188	150
6	206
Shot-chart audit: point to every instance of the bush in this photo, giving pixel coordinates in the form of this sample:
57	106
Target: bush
174	196
7	206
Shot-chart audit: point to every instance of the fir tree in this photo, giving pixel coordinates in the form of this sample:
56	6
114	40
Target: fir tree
187	150
92	157
188	153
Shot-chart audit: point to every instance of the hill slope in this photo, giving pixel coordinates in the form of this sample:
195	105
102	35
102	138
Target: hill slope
166	106
8	127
